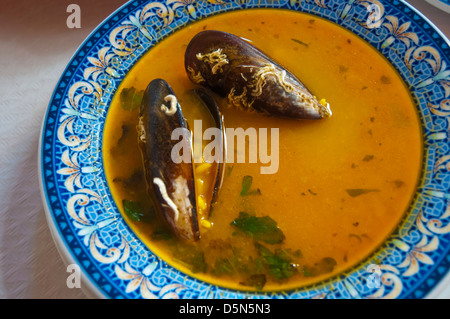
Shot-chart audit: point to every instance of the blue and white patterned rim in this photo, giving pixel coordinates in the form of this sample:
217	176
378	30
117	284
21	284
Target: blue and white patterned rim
87	223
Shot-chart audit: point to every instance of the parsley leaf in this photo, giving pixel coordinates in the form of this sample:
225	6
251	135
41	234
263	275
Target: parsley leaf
260	228
190	256
228	170
300	42
279	263
161	233
246	184
130	99
354	192
257	280
133	210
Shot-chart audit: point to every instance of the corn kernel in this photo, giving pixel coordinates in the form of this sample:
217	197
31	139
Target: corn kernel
201	203
200	185
202	168
205	223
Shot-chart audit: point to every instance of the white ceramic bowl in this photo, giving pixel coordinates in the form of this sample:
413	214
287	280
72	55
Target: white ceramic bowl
89	229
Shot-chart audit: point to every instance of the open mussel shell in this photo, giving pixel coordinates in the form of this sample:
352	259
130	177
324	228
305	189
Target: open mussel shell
220	157
233	68
170	181
167	152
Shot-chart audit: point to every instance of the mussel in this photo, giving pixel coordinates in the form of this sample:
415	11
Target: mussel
232	67
169	173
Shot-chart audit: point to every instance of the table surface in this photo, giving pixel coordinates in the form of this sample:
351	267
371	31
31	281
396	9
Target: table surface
35	48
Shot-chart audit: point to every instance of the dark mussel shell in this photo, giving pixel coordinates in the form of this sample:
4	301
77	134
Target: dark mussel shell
232	67
170	183
169	174
211	105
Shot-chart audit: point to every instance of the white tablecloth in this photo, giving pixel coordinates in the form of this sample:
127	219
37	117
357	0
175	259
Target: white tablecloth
35	47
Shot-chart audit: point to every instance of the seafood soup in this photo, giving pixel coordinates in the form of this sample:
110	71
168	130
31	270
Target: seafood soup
348	163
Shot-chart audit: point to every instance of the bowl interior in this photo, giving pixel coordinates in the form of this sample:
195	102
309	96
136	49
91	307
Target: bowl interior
119	265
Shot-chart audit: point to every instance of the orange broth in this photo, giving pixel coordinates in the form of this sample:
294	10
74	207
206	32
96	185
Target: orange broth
343	184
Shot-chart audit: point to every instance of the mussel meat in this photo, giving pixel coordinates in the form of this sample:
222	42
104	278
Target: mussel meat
170	175
232	67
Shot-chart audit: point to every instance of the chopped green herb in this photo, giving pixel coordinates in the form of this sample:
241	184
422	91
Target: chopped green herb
398	183
223	266
289	254
161	233
254	192
246	184
258	264
306	271
368	158
135	181
342	69
354	192
198	263
300	42
133	210
279	263
260	228
327	264
120	147
125	131
191	257
385	80
228	170
258	281
219	244
233	261
130	99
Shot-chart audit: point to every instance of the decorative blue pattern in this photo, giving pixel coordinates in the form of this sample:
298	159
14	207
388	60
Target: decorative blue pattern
411	262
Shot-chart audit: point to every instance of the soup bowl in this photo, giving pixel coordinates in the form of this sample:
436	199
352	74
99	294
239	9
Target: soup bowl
89	229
